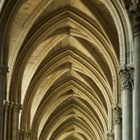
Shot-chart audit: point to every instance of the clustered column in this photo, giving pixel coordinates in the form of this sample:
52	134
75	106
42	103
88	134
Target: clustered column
135	18
11	120
117	122
126	75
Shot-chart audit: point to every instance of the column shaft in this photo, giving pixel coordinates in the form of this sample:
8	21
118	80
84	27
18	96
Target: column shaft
3	71
118	123
10	107
15	121
5	133
135	19
127	114
118	132
137	89
127	88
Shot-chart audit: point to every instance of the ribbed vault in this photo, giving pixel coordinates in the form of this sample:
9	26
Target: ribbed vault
63	58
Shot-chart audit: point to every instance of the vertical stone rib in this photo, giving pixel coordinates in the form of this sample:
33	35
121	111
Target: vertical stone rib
134	11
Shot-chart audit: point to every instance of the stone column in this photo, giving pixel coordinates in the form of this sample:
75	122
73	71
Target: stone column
3	72
135	19
117	122
15	121
126	75
5	129
10	107
110	135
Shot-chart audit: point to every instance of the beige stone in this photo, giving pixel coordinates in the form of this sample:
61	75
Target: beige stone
64	59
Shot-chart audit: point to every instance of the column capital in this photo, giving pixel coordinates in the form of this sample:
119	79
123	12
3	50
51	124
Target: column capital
117	114
26	133
134	12
6	105
127	78
6	102
3	70
110	135
17	107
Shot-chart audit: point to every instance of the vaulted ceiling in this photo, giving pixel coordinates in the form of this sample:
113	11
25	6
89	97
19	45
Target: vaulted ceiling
63	58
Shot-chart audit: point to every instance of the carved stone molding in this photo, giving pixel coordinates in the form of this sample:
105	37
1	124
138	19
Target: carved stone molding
6	105
12	106
134	12
127	78
17	107
117	115
110	135
25	133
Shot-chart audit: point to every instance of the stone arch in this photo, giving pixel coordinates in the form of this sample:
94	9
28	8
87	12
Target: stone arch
89	49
